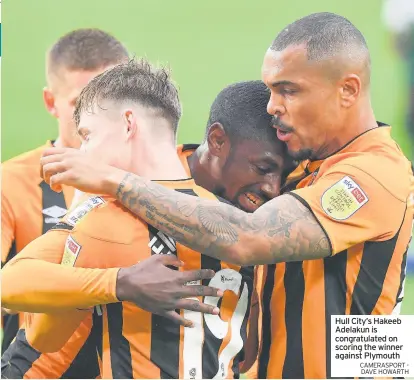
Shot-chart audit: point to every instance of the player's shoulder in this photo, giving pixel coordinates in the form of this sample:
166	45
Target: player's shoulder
103	218
24	167
189	187
29	158
387	168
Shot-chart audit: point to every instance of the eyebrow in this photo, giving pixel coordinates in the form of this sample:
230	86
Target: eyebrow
283	83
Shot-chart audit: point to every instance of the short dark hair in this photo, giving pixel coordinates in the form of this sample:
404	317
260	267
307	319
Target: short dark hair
86	49
325	35
241	109
136	81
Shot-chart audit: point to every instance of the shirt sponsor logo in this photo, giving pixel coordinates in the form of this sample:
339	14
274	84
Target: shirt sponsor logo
343	199
79	212
72	249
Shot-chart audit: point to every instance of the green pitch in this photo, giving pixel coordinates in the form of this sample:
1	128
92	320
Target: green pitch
207	44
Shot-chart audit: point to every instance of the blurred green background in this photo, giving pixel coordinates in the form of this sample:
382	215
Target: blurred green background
207	44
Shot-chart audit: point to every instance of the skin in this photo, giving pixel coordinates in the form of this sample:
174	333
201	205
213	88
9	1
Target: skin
59	97
123	138
322	104
247	173
324	109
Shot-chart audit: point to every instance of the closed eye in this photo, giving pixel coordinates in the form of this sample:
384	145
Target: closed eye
262	170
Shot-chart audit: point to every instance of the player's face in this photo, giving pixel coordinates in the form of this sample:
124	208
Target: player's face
252	174
305	101
104	135
60	101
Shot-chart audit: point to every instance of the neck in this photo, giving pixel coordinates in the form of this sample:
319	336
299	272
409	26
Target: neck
358	122
158	161
61	143
199	168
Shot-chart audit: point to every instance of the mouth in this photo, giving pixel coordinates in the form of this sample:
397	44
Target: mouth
249	201
283	135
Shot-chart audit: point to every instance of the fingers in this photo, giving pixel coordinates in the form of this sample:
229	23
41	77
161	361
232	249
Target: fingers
200	291
50	158
170	260
54	151
55	160
194	275
177	318
50	169
194	305
56	181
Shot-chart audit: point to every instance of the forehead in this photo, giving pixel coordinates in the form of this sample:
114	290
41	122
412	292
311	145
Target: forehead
71	82
290	64
89	118
100	116
262	150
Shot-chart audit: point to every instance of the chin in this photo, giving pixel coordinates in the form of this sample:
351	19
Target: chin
300	154
238	206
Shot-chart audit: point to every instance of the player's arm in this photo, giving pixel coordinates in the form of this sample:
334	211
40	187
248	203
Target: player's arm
45	286
345	207
282	230
292	227
50	332
8	226
34	281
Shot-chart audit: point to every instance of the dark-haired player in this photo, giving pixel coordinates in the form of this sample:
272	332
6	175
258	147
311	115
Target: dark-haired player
238	138
339	239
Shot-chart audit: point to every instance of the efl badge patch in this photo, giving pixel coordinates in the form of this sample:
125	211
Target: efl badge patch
79	212
71	253
343	199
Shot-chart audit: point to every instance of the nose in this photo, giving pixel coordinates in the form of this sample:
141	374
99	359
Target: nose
275	105
271	188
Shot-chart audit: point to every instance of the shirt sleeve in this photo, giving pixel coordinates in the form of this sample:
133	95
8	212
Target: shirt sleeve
50	332
7	228
39	280
352	207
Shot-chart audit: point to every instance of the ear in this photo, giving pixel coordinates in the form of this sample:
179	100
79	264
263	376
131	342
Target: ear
49	101
350	90
130	122
218	140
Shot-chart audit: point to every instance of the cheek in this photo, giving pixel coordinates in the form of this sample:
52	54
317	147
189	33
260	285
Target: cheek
240	181
306	117
66	113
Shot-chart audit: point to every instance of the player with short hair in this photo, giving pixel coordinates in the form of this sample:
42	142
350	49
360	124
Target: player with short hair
340	237
29	206
260	178
240	159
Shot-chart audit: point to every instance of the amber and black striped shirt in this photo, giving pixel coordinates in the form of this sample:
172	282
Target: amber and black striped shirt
136	343
359	197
